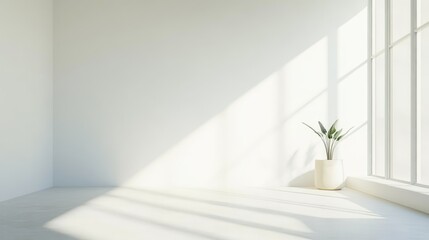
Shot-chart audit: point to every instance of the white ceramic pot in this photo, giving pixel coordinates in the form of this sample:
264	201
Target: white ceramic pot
329	174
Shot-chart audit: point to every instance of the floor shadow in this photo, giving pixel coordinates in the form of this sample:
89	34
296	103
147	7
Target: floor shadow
213	216
169	227
324	219
253	206
23	217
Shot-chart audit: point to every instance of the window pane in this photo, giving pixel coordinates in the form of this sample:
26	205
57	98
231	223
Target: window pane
401	110
378	26
422	12
378	77
423	80
400	19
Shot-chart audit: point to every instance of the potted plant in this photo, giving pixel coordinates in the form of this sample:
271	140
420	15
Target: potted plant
329	173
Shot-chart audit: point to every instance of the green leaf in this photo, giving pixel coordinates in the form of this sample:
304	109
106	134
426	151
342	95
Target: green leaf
332	129
340	137
337	134
322	128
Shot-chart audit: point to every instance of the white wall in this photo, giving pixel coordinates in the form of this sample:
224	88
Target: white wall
205	93
26	40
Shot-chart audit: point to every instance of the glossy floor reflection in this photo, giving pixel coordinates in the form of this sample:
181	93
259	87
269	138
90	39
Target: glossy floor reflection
227	214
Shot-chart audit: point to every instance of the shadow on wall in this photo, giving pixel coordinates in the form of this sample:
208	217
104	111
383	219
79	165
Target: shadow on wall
143	95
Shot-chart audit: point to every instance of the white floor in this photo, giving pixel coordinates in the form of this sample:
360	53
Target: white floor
175	214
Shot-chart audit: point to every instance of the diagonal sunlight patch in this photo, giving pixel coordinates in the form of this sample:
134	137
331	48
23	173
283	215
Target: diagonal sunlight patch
136	214
253	137
352	91
244	213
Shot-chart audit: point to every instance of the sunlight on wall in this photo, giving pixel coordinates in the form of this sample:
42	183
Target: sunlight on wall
352	91
210	95
305	99
258	140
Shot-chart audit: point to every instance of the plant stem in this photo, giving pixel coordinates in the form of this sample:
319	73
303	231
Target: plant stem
328	152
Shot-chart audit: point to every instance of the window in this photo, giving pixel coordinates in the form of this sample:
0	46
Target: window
400	85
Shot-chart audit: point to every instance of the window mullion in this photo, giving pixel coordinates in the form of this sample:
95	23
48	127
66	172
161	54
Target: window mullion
388	91
414	132
370	93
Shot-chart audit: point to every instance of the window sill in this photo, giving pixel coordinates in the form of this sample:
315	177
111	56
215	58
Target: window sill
407	195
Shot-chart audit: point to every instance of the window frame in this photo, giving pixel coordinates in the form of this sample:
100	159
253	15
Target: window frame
414	94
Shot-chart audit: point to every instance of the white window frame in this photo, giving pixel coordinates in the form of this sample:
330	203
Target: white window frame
414	106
